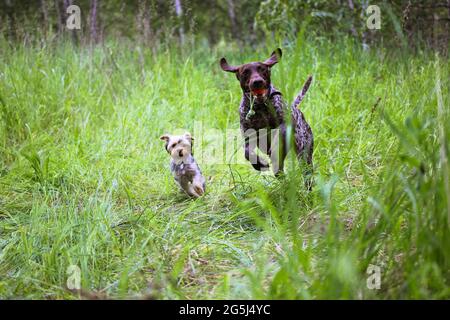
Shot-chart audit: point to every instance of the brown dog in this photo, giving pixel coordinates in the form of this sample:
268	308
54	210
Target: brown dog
262	110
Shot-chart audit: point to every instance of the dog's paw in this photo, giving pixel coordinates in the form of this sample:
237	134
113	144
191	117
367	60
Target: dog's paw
199	190
261	166
279	174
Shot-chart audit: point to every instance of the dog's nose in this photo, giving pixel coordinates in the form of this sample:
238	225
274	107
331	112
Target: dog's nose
180	153
258	84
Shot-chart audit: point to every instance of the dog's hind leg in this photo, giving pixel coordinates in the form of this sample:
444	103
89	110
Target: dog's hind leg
305	157
308	174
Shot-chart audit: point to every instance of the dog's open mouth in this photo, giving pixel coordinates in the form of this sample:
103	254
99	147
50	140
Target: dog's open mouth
259	92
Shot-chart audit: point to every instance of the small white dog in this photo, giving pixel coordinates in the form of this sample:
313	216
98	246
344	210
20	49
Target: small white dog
183	166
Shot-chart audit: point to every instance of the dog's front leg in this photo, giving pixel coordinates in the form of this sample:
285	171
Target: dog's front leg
198	183
251	156
278	149
193	191
188	187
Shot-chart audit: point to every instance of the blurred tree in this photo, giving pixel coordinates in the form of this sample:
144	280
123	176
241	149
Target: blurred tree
415	23
232	14
179	12
93	21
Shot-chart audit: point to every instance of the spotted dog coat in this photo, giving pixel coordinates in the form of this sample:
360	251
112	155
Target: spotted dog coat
266	110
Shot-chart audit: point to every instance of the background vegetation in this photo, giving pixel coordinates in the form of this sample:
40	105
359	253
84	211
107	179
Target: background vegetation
84	179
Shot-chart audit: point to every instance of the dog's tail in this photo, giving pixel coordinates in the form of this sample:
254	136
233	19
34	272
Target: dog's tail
302	93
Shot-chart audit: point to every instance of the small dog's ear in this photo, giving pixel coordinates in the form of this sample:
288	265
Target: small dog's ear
274	57
165	137
226	67
188	136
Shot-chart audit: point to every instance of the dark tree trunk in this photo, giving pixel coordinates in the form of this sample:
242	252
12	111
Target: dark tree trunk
232	15
60	14
44	12
447	28
11	20
179	13
146	22
93	22
352	9
143	22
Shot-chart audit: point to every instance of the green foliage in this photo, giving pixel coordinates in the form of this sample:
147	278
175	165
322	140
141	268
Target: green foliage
84	178
417	24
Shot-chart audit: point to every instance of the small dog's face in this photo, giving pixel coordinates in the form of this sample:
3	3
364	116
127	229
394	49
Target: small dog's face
179	147
254	77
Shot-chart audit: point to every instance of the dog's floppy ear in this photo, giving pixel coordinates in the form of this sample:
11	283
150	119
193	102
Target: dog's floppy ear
165	137
226	67
274	57
188	136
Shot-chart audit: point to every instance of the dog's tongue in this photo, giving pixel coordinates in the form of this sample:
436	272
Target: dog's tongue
259	92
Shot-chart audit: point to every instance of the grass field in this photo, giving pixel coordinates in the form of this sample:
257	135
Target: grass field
84	179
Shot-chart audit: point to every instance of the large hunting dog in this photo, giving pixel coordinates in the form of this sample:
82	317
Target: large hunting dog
262	110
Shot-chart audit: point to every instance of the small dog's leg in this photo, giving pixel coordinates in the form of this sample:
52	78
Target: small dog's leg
188	187
198	184
192	191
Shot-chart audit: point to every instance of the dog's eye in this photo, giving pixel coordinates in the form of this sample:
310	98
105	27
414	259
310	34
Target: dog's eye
246	72
173	145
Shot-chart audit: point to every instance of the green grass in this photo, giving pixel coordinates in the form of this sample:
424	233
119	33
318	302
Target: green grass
84	179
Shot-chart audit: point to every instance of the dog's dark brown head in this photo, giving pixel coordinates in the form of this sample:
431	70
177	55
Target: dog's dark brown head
254	76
